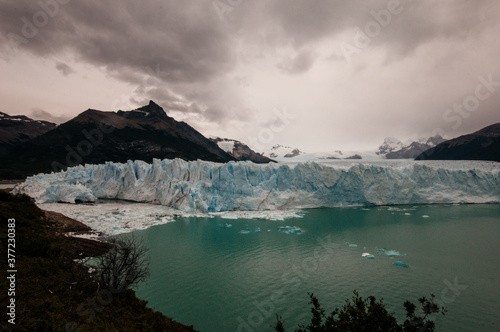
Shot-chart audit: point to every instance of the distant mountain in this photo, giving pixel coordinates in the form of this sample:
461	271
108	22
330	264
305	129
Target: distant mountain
96	137
240	151
483	144
337	154
282	151
392	148
390	144
20	128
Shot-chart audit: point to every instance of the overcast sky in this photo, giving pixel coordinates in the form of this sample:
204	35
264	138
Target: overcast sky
318	75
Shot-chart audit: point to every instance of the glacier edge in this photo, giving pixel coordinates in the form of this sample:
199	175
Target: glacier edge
200	186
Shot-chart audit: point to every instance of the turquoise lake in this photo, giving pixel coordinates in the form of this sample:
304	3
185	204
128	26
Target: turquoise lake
219	279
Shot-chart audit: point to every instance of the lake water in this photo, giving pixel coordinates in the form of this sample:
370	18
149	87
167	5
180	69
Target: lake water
219	279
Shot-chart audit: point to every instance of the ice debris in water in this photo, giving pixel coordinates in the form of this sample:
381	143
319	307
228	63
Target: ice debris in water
425	216
224	225
352	245
290	230
278	215
249	230
115	218
390	253
393	253
399	263
367	255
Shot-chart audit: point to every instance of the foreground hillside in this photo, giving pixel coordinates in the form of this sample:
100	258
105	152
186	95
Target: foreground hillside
52	292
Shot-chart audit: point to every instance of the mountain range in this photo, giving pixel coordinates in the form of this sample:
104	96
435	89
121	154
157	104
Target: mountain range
282	151
392	148
96	137
29	146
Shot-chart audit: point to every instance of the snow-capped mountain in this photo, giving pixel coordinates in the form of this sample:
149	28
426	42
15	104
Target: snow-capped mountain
392	148
240	151
390	144
282	151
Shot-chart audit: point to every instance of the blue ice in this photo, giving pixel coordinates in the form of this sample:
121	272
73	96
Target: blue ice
399	263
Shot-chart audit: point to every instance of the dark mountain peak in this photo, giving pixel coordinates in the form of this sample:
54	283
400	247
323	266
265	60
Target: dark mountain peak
151	107
97	136
150	113
90	116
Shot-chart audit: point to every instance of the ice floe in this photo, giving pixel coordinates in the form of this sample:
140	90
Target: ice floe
250	230
225	225
291	230
399	263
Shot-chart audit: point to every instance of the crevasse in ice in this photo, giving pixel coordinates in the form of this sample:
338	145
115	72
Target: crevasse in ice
245	186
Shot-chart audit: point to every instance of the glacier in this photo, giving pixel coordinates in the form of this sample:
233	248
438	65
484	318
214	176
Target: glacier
208	187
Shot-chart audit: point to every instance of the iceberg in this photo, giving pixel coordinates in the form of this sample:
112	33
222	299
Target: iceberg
207	187
389	253
368	255
399	263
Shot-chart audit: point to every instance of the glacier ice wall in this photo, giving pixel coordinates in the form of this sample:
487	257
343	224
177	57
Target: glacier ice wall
214	187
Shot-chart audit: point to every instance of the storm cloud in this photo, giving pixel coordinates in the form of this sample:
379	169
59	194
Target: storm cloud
393	68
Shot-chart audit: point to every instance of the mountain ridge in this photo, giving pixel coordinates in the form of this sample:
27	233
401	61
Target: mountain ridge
95	136
20	128
483	144
392	148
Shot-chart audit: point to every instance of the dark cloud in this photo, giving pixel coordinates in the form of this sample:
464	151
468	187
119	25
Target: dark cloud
303	23
183	56
192	45
64	68
188	44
